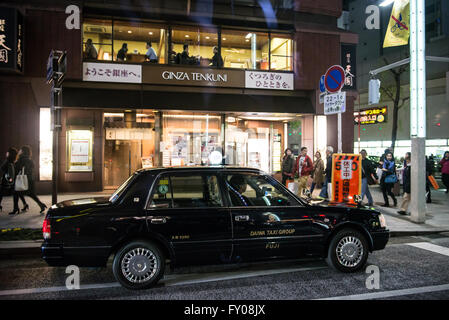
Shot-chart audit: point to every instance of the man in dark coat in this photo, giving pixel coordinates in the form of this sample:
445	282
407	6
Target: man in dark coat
406	184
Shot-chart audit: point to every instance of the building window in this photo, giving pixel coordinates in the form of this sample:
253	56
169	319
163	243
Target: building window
195	46
97	39
191	139
245	50
45	145
281	52
139	42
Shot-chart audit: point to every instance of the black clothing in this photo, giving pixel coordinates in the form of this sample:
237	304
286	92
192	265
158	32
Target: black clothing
91	52
28	165
406	179
387	187
368	170
121	54
329	167
217	60
288	166
185	59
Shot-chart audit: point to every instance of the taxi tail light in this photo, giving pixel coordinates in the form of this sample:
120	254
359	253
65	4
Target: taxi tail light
46	229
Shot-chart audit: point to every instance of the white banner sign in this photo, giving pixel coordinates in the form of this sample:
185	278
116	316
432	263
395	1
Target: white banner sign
335	103
269	80
111	72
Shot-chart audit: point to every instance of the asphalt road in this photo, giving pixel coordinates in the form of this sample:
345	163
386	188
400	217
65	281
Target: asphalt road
410	268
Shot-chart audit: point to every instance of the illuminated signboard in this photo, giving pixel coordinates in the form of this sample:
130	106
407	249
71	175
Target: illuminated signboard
11	40
371	116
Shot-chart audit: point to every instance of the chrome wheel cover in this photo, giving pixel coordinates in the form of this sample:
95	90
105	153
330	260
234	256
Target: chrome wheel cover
349	251
139	265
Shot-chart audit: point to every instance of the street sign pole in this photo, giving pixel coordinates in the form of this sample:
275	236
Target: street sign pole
418	110
339	133
56	68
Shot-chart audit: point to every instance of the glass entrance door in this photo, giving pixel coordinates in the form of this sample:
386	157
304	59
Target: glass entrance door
122	158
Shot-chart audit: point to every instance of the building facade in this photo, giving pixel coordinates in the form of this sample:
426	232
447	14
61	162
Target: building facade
173	83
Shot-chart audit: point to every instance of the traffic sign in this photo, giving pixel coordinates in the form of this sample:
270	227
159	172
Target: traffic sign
322	87
335	103
334	79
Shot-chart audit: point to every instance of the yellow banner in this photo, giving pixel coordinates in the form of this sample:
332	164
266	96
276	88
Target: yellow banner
398	30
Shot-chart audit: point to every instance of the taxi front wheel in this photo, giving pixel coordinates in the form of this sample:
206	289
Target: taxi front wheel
348	251
138	265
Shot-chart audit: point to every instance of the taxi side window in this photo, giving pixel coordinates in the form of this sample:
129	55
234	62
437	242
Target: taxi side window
195	191
246	190
186	191
162	194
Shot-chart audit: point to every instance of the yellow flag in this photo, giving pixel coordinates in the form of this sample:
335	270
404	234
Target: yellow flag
398	30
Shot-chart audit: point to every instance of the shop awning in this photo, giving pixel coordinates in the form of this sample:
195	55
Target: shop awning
195	101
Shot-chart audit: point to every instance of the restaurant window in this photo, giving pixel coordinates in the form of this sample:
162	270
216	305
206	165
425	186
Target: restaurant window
281	52
191	139
244	49
139	42
97	39
195	46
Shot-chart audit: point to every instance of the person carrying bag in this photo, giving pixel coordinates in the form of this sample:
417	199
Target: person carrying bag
21	183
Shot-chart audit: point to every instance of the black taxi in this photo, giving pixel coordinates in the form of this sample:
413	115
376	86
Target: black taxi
204	215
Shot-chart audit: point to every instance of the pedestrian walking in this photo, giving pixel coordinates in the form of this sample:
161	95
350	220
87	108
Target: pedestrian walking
303	168
388	179
317	173
328	171
7	178
445	170
26	165
406	185
368	177
288	166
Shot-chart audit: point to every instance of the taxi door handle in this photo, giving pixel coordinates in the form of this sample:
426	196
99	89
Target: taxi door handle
158	220
241	218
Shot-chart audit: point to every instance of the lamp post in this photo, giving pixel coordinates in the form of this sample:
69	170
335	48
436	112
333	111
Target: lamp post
418	109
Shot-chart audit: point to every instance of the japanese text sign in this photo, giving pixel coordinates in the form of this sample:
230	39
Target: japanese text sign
346	177
112	72
370	116
11	39
269	80
335	103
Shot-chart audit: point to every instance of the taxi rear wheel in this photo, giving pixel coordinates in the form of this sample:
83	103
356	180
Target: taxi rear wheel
348	251
138	265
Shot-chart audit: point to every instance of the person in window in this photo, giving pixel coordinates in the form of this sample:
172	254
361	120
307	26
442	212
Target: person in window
217	60
237	186
151	53
91	52
185	58
121	55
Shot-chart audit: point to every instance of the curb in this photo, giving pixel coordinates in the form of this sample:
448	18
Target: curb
414	233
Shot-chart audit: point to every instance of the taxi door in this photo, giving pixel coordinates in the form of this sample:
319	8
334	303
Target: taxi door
267	221
187	210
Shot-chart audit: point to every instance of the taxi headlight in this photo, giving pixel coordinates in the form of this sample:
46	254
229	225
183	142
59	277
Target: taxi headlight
383	222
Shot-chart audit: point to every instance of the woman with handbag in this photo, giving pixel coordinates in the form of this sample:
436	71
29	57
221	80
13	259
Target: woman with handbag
288	166
388	179
8	175
24	167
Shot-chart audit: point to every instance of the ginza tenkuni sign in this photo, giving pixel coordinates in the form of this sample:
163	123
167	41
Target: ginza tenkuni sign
184	75
194	76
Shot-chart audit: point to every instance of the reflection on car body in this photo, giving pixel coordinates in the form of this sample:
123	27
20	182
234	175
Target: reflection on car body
205	215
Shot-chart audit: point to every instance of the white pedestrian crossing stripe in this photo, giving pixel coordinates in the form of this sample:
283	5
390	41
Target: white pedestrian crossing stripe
431	247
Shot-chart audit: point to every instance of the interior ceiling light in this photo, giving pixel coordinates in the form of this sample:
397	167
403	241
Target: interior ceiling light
129	31
224	38
150	33
187	36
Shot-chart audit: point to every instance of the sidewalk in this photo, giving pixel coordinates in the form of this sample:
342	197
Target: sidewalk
437	212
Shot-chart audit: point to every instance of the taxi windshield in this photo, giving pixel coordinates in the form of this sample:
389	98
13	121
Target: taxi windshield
122	188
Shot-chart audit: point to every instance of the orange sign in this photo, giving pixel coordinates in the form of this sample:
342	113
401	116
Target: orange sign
346	177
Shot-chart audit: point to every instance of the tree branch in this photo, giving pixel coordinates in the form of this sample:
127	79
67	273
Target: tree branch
388	93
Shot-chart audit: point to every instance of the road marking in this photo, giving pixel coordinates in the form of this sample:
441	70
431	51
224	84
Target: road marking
168	281
431	247
392	293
